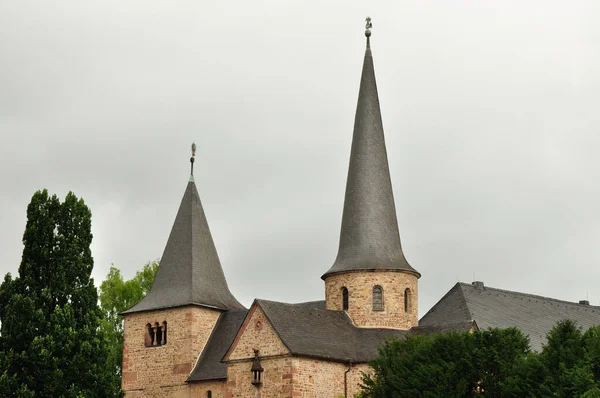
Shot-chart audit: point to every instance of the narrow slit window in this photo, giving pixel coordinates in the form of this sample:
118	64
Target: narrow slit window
406	300
377	298
209	394
164	332
158	334
344	299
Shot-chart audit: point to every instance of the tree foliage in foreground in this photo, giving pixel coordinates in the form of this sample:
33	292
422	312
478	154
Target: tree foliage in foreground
51	344
490	363
117	295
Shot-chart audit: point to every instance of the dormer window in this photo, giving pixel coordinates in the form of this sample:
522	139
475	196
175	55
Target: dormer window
377	298
344	299
257	370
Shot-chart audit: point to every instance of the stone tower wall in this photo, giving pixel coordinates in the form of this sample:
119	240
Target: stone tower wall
161	371
360	286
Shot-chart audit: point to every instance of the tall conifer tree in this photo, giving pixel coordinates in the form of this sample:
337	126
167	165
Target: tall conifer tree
50	341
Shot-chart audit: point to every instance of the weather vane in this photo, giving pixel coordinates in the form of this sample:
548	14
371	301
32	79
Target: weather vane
193	158
368	26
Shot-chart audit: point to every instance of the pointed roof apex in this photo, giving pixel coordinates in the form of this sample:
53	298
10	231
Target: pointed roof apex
368	26
190	271
369	237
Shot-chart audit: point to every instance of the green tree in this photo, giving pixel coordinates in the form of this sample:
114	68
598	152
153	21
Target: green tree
446	365
117	295
51	344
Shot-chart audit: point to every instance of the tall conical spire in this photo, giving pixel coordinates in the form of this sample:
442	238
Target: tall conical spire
190	272
369	238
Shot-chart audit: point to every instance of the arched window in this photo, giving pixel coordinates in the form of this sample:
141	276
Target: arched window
209	394
149	336
158	331
377	298
344	299
164	330
406	300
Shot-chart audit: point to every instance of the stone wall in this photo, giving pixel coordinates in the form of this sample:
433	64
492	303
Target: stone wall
201	389
256	333
360	298
161	371
292	377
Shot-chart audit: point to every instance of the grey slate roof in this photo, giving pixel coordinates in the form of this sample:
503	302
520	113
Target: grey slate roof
496	308
209	365
190	272
369	238
306	329
309	330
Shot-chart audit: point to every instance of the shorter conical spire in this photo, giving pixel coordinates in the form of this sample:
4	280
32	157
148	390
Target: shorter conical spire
190	272
369	237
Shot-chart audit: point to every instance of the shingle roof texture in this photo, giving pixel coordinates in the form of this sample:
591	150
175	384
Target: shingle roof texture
369	237
190	272
306	329
495	308
209	365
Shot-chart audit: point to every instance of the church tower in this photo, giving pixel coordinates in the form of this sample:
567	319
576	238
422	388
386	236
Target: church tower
167	330
370	278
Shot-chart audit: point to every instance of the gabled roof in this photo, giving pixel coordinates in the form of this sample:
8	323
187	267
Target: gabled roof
306	329
209	365
369	237
190	272
310	330
496	308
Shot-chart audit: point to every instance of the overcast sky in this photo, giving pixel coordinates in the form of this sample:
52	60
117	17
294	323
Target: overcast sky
491	115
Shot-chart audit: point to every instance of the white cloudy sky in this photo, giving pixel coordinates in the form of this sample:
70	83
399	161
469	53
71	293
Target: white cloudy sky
491	113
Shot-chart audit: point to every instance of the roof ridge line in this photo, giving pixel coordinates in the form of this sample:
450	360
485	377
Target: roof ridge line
533	295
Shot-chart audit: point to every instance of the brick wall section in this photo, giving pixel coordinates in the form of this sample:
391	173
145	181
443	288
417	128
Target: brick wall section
256	333
161	371
360	298
292	377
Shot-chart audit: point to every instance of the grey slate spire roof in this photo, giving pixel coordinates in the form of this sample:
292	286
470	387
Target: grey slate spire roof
369	238
190	272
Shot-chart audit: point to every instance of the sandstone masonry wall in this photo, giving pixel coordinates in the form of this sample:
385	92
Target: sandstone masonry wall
200	389
360	298
256	333
292	377
161	371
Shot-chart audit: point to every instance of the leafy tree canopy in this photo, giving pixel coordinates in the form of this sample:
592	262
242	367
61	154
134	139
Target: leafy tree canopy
51	344
491	363
117	295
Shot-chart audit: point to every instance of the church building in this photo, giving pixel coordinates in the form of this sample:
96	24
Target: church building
190	337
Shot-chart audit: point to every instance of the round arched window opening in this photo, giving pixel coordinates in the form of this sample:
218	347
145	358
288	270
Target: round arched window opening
377	298
407	300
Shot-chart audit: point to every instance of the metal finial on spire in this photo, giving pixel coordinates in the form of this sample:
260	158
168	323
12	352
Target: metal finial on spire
368	26
192	159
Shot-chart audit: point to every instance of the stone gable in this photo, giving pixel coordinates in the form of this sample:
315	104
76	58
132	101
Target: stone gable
256	333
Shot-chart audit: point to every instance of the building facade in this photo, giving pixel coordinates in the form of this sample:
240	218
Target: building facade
190	337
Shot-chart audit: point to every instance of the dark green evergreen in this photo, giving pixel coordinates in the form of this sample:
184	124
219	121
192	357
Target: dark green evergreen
51	344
